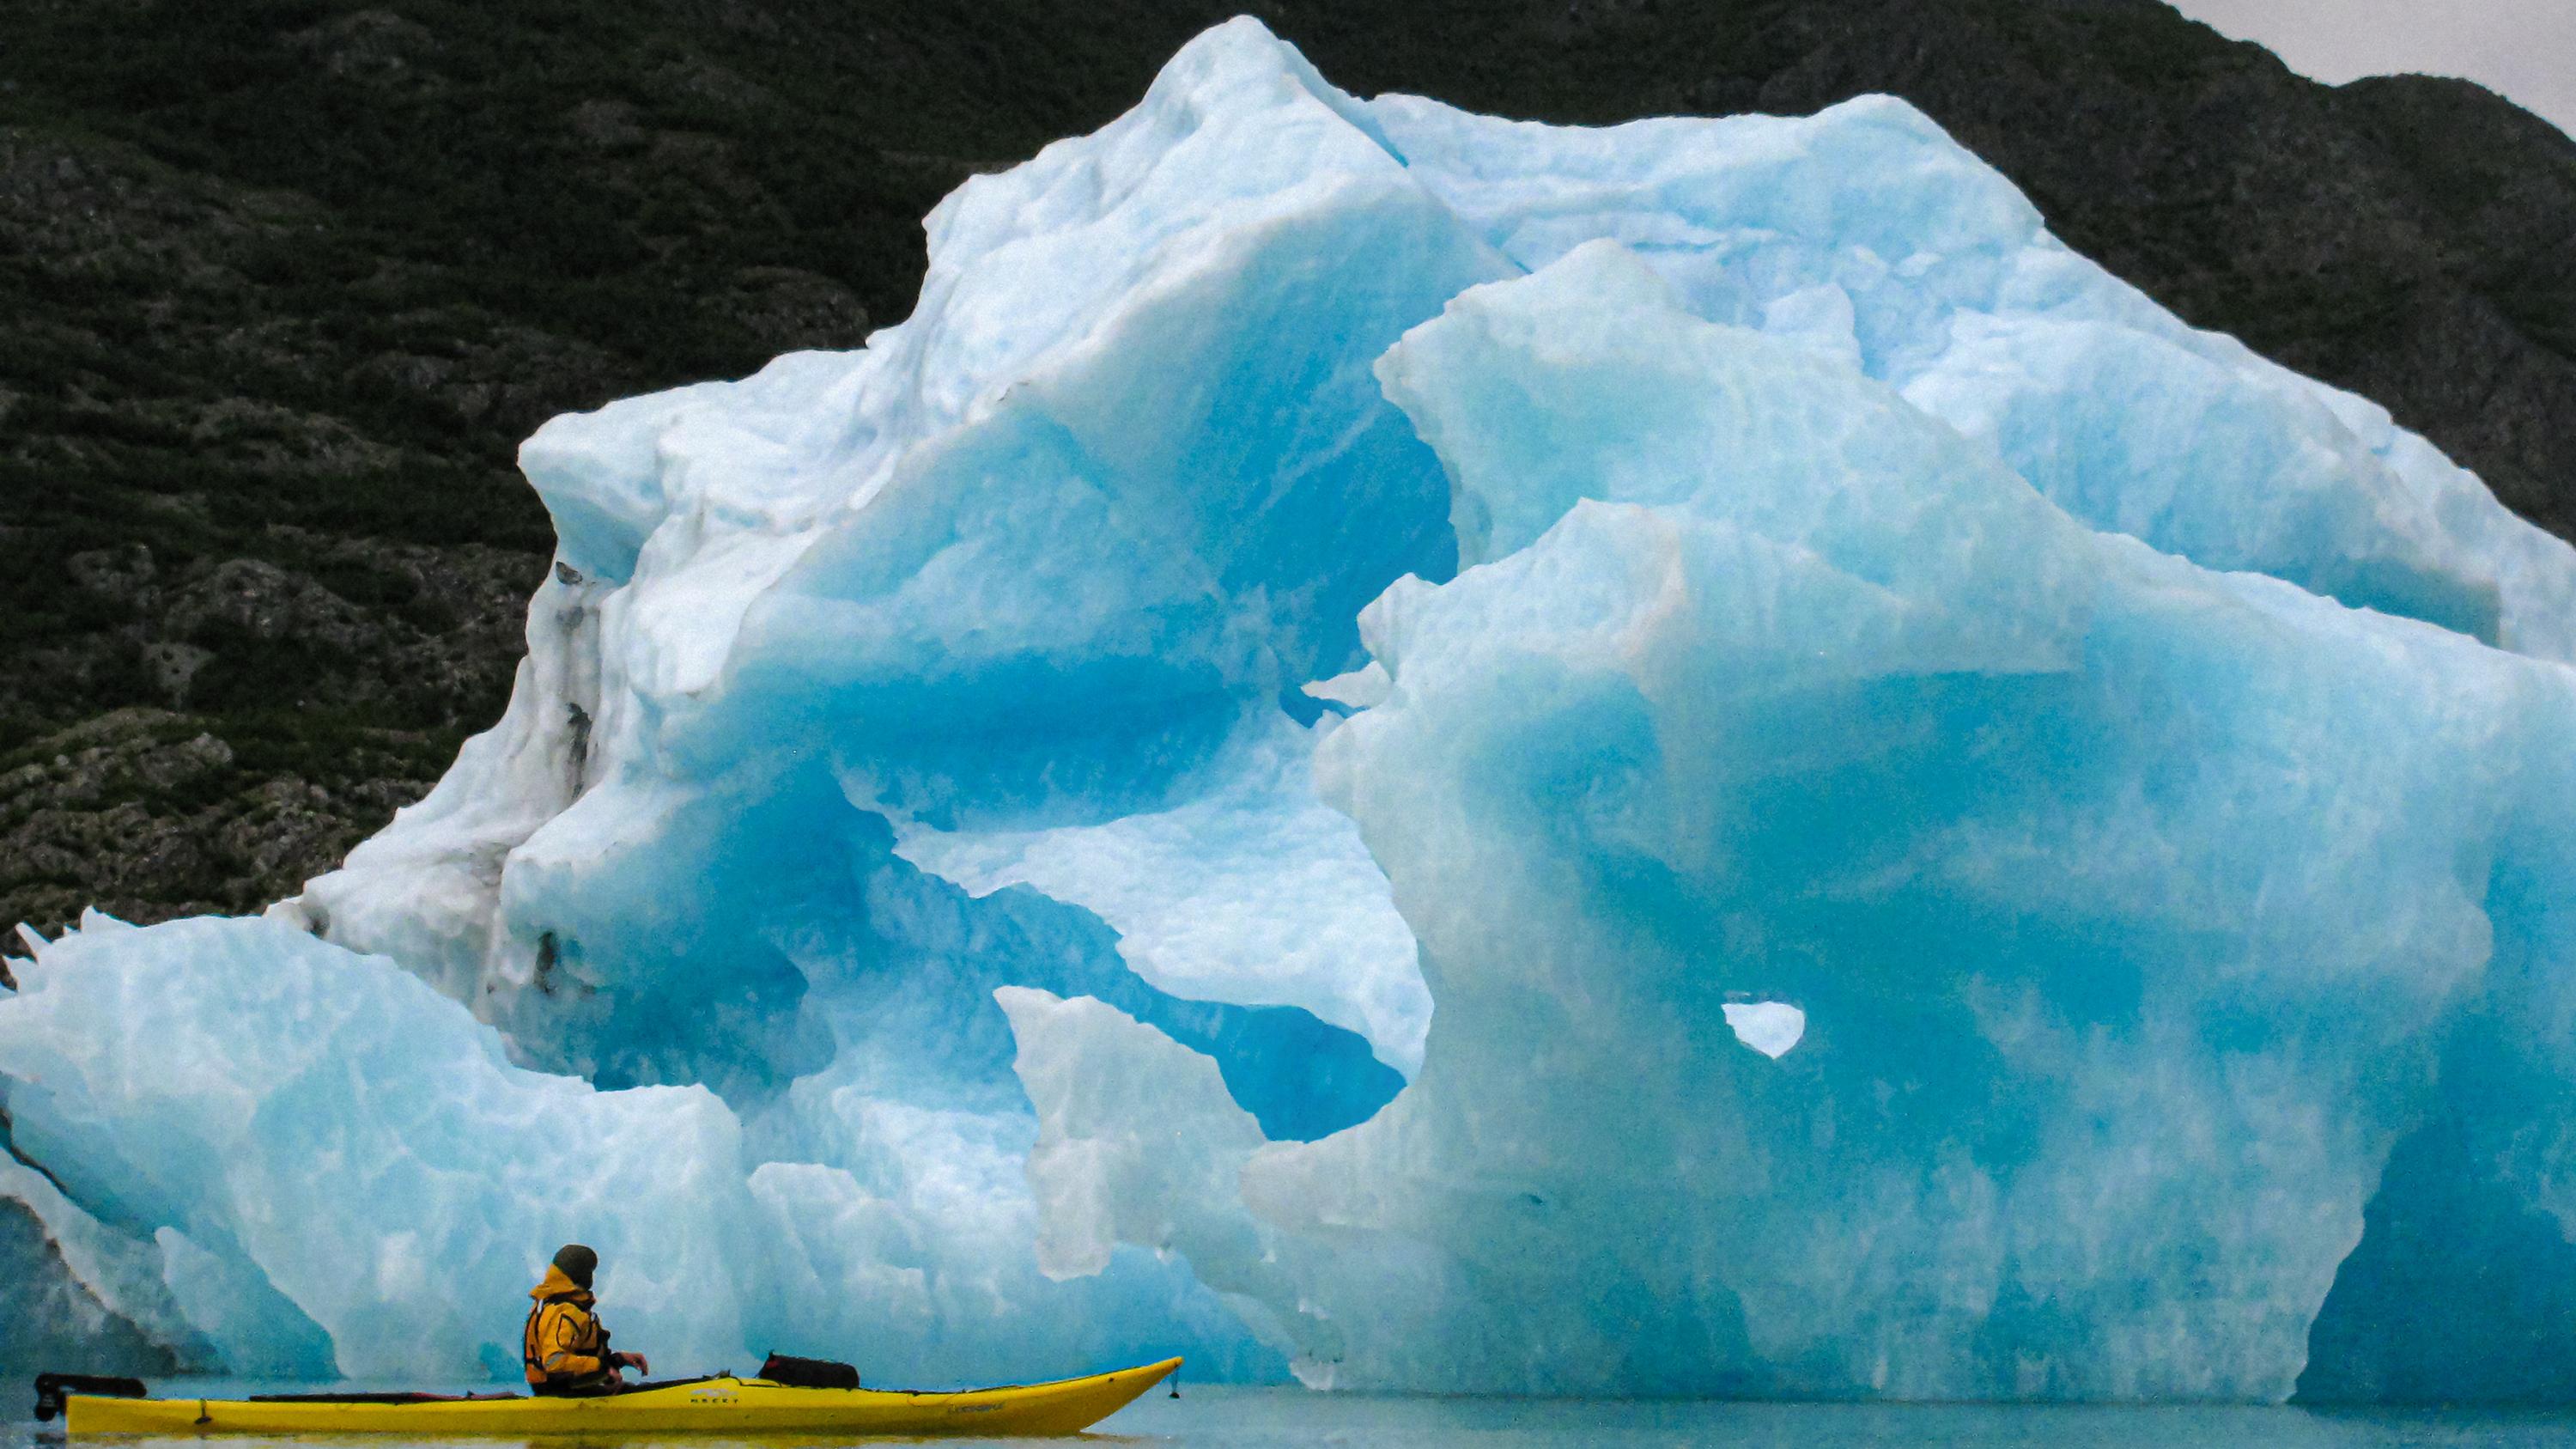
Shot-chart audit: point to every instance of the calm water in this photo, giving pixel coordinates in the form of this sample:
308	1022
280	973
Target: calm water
1277	1418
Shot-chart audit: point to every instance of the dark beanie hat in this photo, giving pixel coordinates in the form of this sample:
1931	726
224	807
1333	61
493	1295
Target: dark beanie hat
577	1262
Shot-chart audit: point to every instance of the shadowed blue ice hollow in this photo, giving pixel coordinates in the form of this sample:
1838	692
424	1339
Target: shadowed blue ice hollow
1435	754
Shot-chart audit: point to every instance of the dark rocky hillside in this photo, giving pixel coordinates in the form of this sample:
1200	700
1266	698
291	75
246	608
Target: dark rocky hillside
284	282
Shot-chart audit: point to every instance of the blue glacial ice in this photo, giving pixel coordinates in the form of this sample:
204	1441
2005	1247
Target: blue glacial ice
2122	899
1443	754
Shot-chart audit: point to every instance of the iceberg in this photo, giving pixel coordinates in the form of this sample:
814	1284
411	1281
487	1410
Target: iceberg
2062	859
1442	754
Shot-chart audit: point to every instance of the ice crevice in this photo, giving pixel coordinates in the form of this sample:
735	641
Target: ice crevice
1442	754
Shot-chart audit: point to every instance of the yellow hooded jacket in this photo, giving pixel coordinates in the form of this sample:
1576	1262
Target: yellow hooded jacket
564	1347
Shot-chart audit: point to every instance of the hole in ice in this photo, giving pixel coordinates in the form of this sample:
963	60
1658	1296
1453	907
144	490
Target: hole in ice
1769	1027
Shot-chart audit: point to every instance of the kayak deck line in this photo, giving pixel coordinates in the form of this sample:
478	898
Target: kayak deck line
723	1404
416	1396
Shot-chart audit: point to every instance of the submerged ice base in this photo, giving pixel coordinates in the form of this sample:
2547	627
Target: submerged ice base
1455	754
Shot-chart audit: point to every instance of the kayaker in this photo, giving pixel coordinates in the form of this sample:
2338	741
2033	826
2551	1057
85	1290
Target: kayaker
565	1348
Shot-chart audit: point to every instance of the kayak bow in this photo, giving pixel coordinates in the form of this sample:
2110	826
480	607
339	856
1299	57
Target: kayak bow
725	1405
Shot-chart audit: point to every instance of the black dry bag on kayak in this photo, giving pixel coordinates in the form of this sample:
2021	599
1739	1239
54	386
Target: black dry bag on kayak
809	1373
52	1389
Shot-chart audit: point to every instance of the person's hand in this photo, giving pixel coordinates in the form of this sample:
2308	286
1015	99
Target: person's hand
635	1361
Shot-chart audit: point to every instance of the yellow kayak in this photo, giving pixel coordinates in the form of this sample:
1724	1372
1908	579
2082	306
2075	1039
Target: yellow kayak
727	1405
